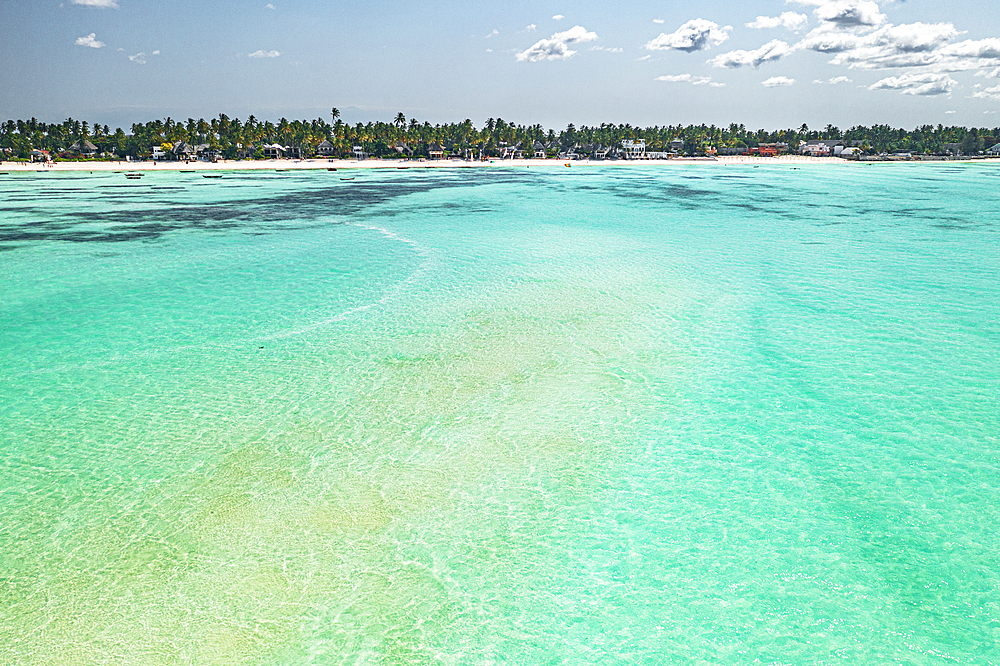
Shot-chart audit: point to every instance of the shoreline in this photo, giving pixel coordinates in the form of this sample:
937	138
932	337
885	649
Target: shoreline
336	165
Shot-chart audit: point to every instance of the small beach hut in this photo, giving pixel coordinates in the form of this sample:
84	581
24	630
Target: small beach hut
84	147
182	151
325	149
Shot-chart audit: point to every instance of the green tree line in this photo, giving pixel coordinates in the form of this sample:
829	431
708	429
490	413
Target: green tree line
233	137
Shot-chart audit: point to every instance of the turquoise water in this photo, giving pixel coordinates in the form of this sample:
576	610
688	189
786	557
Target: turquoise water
645	415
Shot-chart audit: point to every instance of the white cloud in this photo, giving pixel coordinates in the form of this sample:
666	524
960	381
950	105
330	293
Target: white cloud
90	40
840	79
657	20
776	81
988	93
558	17
556	47
995	74
969	51
789	20
156	52
138	58
645	57
917	84
616	49
530	28
102	4
694	35
495	32
850	13
905	45
773	50
269	6
690	78
949	112
264	54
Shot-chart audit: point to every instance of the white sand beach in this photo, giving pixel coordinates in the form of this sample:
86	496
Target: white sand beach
337	164
316	164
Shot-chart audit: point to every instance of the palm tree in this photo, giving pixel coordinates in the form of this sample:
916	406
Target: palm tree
334	114
400	120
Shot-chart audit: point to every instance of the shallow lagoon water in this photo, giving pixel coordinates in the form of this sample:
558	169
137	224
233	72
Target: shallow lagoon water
673	414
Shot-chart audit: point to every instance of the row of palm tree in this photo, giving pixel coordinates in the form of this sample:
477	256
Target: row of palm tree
233	137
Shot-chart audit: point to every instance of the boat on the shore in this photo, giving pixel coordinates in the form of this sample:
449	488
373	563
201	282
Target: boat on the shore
211	175
134	175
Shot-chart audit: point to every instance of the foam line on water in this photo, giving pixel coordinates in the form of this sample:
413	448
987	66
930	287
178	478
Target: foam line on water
428	260
423	252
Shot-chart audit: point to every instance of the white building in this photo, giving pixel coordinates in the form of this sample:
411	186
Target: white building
634	150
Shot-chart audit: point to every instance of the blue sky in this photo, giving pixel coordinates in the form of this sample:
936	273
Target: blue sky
764	63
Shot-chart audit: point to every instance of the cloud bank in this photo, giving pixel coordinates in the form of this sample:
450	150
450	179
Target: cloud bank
695	35
777	81
917	84
788	20
101	4
773	50
557	46
690	78
90	40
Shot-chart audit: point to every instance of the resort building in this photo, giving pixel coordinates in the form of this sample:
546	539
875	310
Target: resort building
273	152
821	148
769	149
600	152
84	147
994	151
181	151
325	149
634	150
512	152
207	154
435	151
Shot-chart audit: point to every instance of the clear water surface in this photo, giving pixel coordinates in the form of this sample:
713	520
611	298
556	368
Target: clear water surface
644	415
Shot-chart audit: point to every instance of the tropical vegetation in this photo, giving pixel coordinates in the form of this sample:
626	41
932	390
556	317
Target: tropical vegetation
234	138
